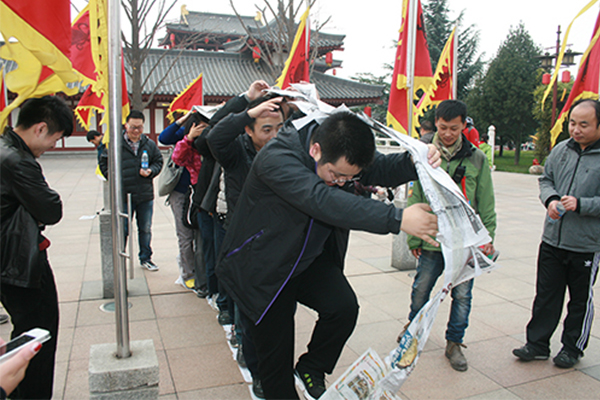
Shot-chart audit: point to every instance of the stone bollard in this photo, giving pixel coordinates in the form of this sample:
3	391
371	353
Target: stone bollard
402	259
132	378
106	239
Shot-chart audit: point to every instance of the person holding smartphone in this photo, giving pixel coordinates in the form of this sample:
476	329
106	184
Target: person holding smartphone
27	205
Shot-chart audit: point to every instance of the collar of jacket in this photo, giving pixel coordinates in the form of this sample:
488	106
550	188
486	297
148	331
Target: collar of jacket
575	146
13	139
249	145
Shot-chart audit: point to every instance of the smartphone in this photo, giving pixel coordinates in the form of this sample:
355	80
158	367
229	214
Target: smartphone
7	350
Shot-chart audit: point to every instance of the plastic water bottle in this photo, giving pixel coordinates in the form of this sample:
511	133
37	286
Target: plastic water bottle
561	211
145	160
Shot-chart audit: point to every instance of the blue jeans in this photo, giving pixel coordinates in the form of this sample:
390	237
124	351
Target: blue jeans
143	216
430	267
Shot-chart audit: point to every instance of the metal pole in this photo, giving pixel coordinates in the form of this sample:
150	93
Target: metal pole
555	85
116	198
455	63
410	62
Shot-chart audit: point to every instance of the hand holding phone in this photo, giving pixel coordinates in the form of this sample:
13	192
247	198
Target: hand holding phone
16	357
36	335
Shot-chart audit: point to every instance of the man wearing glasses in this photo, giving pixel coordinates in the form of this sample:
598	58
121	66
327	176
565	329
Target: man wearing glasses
137	180
288	237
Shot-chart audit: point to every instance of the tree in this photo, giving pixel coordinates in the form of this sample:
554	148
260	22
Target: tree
378	110
504	96
438	27
544	117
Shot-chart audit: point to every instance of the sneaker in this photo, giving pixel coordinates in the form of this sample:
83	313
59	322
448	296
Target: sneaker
257	388
3	319
212	301
239	357
528	353
224	318
313	384
456	357
565	360
149	265
202	293
190	284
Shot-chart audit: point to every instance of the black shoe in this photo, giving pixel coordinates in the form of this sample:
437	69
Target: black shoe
527	353
202	293
224	318
565	360
3	319
257	388
313	384
241	360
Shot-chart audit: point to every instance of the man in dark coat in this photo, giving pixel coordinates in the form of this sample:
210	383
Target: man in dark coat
27	205
288	237
137	180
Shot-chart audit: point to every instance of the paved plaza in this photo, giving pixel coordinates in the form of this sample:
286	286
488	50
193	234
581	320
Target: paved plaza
196	362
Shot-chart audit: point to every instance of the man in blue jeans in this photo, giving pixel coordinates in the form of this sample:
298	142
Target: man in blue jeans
468	167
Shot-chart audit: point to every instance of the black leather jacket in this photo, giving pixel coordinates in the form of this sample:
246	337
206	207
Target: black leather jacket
27	204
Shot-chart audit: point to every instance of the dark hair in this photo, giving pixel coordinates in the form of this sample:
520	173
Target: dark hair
136	114
195	118
427	126
450	109
52	110
343	134
484	137
593	103
256	102
91	135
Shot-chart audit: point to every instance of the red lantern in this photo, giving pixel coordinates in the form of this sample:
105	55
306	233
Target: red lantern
368	110
172	38
206	40
329	59
546	79
256	54
566	76
334	72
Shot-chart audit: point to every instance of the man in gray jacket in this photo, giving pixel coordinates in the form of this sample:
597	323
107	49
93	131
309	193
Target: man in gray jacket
570	250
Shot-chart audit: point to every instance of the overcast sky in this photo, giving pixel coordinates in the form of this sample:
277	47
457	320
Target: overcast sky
370	31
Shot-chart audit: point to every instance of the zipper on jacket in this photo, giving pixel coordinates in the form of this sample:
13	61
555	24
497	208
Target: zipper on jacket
568	191
290	274
251	238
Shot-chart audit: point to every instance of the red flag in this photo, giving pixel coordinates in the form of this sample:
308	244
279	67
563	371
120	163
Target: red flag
297	68
586	84
443	79
3	101
189	97
89	101
397	115
81	47
41	49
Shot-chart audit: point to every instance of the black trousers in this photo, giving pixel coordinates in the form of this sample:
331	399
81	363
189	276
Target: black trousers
558	270
35	308
323	288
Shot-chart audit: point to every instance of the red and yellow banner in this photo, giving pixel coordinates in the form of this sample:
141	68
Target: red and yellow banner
37	37
443	79
397	115
297	67
586	84
189	97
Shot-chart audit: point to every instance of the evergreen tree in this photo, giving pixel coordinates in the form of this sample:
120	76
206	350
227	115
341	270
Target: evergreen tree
504	96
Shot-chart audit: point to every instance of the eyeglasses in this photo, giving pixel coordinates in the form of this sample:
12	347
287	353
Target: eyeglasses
136	128
338	178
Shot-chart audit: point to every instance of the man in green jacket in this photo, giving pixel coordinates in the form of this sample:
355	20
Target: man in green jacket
468	167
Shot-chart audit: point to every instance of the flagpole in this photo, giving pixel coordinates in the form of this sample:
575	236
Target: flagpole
115	130
455	63
410	62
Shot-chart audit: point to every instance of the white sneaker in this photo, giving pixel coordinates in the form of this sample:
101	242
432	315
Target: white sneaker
212	301
149	265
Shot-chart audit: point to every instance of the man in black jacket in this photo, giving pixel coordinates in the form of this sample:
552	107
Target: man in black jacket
27	204
137	180
287	241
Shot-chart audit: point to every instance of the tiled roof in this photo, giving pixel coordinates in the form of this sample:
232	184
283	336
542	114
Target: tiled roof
228	74
211	22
